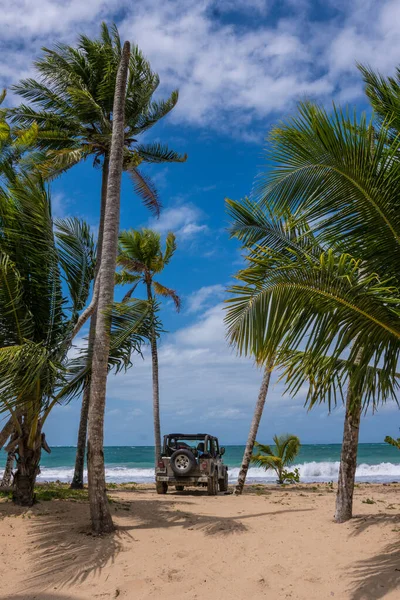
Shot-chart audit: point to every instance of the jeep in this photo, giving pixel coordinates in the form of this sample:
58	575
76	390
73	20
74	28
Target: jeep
191	460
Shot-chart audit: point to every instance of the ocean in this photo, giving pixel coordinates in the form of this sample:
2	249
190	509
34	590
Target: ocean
317	462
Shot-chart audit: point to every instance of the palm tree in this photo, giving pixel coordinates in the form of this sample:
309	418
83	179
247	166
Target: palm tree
36	319
255	423
343	172
297	292
75	95
141	258
393	442
99	509
286	449
74	120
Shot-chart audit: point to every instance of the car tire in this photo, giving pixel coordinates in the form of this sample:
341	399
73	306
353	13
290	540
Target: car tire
179	488
161	487
212	485
223	483
182	462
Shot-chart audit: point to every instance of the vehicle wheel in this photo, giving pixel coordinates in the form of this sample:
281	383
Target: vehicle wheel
179	488
223	483
161	487
182	462
212	485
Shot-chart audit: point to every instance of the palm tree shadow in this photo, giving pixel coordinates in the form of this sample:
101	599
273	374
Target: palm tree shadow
375	577
42	596
65	553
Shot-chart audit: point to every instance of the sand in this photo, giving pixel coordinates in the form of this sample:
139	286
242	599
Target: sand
270	543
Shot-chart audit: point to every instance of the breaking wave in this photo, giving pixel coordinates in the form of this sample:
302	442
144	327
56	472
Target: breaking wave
309	472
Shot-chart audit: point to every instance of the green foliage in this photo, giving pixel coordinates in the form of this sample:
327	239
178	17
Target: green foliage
278	459
72	104
320	294
36	319
140	258
393	442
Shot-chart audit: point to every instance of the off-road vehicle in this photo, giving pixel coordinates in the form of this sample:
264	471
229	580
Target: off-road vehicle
191	460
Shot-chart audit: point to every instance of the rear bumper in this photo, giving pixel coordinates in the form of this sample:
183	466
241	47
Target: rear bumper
182	480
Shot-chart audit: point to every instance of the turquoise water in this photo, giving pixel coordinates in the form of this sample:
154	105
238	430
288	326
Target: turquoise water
317	462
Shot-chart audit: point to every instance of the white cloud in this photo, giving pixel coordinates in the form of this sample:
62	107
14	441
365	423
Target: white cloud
231	72
183	220
202	297
201	378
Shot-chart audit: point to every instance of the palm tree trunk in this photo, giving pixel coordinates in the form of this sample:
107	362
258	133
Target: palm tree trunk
156	388
348	459
77	480
254	428
6	431
28	453
8	470
99	508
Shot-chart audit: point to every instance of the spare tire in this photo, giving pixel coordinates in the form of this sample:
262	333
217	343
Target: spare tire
182	462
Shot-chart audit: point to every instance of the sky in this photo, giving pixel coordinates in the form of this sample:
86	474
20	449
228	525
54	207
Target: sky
240	67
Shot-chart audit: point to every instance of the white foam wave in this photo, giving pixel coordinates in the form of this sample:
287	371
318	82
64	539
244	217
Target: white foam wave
309	472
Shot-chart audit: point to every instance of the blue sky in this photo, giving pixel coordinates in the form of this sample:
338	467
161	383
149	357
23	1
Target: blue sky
240	67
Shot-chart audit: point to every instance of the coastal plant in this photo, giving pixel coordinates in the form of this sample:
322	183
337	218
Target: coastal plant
141	258
279	458
37	319
393	442
255	423
71	110
331	312
46	272
99	508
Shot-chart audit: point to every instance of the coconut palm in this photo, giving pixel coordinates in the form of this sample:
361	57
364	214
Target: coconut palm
99	509
74	116
343	173
393	442
37	322
305	305
75	95
36	319
255	423
141	258
286	449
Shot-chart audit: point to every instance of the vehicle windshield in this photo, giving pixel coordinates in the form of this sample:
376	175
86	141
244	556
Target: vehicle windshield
199	445
178	443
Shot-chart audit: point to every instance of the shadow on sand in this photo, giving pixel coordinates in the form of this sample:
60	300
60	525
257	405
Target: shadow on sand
41	596
376	576
64	552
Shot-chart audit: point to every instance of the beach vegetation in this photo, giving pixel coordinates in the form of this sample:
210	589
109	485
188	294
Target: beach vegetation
140	259
393	442
320	295
37	319
70	112
279	457
99	509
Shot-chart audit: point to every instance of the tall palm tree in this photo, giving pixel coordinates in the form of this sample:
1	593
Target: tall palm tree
74	116
36	319
141	258
296	293
255	423
286	449
343	172
99	509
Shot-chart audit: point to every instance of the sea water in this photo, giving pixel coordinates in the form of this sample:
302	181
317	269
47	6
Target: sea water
316	462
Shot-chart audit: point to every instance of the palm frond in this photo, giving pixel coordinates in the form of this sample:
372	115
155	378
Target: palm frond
144	188
161	290
77	258
158	153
